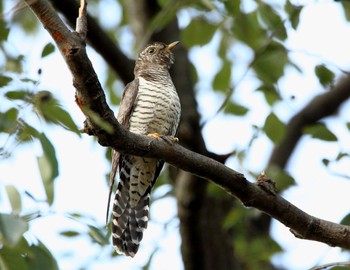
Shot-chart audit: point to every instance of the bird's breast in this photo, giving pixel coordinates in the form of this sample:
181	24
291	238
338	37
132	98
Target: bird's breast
157	108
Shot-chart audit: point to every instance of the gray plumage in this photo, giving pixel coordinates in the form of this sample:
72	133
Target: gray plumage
149	104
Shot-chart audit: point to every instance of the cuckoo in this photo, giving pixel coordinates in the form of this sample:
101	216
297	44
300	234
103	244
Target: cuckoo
150	106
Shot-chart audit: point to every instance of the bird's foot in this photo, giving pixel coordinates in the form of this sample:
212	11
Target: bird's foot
154	135
168	139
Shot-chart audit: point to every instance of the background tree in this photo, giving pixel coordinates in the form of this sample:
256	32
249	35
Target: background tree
250	54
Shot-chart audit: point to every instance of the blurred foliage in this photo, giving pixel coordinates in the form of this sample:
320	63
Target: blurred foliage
321	132
251	38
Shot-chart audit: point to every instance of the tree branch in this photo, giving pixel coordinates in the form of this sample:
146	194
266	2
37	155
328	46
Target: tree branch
91	98
321	106
99	41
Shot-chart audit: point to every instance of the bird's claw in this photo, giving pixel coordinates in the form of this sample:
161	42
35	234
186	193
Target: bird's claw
168	139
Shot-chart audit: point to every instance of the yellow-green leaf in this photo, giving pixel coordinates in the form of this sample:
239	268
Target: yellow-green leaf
48	167
8	121
48	107
48	49
274	22
236	109
41	258
14	198
18	95
11	229
270	93
222	79
274	128
198	32
324	75
4	80
246	27
293	12
270	63
282	179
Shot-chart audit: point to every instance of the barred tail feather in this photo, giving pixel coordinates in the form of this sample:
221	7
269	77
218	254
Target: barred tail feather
128	223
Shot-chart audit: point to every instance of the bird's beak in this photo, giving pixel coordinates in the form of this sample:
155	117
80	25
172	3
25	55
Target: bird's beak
171	46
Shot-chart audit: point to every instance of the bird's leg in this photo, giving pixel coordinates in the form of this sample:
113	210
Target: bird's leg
168	139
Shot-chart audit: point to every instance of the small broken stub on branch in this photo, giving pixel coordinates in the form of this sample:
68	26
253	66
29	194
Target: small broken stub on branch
266	183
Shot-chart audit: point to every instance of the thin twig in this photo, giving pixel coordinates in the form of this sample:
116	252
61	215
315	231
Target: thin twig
324	266
81	26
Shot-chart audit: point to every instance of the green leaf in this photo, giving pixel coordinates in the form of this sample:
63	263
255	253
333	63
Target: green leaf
18	95
39	257
49	108
48	49
341	155
98	236
325	162
69	233
282	179
324	75
346	8
293	12
321	132
4	80
222	79
346	220
14	64
274	128
198	32
274	22
246	27
99	121
11	229
48	167
348	125
14	198
236	109
8	121
215	191
233	7
4	30
270	63
11	259
235	216
26	132
270	93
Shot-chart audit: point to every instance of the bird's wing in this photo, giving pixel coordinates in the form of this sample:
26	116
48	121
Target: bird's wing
126	107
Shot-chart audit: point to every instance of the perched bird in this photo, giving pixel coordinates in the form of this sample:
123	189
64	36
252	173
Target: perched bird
150	106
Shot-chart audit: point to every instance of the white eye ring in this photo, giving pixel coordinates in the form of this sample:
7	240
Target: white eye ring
151	50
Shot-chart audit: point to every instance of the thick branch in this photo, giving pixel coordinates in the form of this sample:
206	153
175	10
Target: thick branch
91	98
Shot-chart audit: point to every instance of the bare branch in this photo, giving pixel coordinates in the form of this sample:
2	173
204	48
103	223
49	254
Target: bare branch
90	98
81	26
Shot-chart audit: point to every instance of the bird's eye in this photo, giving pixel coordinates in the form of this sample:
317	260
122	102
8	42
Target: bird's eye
151	50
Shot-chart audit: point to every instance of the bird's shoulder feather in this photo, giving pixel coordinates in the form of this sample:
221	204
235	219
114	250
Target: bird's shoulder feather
127	102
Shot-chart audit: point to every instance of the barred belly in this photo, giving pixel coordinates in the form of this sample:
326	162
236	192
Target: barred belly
157	110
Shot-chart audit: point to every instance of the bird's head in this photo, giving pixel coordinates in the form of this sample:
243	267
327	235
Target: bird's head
156	55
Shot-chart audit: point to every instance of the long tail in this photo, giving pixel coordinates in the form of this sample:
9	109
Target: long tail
128	223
